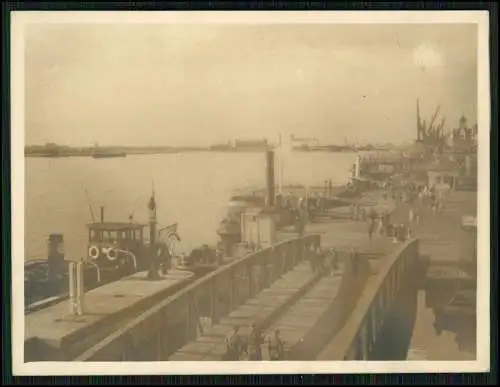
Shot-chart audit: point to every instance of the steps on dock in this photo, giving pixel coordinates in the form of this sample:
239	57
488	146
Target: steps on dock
263	309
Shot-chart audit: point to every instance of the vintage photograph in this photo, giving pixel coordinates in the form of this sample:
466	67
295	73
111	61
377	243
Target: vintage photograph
263	188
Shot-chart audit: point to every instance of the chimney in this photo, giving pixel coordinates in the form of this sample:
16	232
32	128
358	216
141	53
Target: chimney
55	257
270	178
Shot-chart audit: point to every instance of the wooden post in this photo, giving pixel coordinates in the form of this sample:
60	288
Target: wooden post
80	291
190	323
265	270
214	300
153	260
72	287
251	287
162	335
231	290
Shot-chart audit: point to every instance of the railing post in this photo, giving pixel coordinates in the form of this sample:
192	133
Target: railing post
72	287
214	300
191	318
265	269
231	290
162	345
251	287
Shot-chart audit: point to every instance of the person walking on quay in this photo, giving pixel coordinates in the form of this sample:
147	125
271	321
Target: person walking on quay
380	225
233	345
334	261
411	214
276	347
320	260
417	215
312	258
299	224
371	228
434	205
354	261
255	341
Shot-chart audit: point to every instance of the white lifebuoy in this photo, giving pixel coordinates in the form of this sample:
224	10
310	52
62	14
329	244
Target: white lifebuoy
93	252
112	254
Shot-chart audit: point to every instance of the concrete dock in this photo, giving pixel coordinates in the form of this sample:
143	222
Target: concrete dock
308	307
106	307
443	241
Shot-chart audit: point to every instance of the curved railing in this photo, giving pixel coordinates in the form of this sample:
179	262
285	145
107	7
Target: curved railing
354	340
272	263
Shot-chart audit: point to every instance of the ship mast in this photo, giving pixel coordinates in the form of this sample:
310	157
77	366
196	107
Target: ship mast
153	263
279	164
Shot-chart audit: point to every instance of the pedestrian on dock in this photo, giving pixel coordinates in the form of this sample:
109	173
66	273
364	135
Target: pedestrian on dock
312	258
371	228
411	214
434	205
276	347
255	341
334	261
380	221
233	345
320	261
299	224
417	215
363	214
354	261
409	233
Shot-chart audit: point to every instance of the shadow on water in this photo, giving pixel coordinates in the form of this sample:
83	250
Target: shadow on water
396	333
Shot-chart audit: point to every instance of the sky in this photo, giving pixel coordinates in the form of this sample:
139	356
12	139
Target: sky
182	84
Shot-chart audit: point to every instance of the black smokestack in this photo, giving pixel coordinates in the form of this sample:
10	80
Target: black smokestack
270	178
55	258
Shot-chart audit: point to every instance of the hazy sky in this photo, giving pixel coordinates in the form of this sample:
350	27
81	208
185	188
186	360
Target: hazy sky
191	84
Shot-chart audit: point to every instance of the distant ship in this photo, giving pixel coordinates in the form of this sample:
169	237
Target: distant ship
102	155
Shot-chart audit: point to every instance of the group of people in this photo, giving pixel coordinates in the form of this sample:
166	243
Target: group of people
324	262
249	347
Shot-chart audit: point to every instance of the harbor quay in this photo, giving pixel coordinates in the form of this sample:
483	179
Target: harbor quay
289	293
341	283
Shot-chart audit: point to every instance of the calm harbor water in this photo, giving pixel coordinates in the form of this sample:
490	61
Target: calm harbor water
192	189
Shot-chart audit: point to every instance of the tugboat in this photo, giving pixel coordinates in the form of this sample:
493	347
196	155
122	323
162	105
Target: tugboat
115	250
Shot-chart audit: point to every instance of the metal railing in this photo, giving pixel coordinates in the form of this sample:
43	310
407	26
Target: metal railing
160	331
359	332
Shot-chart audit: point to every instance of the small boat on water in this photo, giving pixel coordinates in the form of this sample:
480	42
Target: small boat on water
104	152
115	250
104	155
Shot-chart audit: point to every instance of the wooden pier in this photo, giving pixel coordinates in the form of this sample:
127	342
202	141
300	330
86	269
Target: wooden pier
350	313
56	333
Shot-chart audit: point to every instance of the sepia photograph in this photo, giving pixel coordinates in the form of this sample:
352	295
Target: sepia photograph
253	192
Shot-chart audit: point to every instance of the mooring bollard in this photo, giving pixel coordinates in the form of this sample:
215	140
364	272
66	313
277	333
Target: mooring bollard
72	287
76	288
80	291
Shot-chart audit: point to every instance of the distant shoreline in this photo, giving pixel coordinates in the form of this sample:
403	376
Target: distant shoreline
70	153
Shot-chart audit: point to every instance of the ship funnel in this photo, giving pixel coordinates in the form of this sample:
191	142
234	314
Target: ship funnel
271	199
357	168
55	256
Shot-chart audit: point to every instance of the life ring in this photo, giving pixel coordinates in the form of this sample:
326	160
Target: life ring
112	254
93	252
